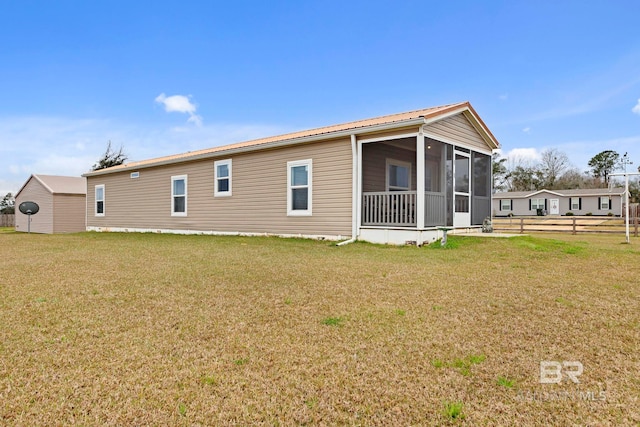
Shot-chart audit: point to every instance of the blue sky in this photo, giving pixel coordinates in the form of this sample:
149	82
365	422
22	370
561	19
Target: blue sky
166	77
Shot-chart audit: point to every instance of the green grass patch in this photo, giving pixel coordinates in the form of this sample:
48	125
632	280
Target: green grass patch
333	321
506	382
453	410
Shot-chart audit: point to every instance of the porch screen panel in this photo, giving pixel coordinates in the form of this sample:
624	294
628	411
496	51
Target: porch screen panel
481	187
448	164
435	209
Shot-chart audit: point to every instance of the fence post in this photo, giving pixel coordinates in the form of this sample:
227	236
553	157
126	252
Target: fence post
521	225
574	225
635	227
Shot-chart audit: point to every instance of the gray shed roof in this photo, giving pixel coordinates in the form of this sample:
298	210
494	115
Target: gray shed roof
56	184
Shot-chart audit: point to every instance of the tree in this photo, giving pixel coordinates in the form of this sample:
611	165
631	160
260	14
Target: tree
553	163
110	158
604	163
499	172
571	179
525	178
7	204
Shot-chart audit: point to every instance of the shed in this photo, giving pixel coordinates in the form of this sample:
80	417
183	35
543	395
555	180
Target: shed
62	202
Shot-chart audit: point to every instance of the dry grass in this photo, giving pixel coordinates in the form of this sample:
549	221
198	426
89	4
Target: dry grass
145	329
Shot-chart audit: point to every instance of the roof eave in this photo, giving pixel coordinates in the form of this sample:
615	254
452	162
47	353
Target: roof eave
418	121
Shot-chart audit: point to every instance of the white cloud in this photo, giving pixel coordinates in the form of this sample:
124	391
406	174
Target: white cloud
523	156
180	104
504	97
66	146
526	130
636	109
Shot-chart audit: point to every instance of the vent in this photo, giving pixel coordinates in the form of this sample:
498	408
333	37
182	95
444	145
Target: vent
135	175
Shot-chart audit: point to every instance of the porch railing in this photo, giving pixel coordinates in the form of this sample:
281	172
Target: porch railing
435	209
391	208
398	209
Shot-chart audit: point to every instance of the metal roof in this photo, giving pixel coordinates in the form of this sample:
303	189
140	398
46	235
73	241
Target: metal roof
415	117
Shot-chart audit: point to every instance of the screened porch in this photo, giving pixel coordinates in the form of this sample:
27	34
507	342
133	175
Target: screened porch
456	190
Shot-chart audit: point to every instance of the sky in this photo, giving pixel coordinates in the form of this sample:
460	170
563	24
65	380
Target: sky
166	77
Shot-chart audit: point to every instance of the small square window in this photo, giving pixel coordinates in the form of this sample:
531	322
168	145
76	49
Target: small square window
398	175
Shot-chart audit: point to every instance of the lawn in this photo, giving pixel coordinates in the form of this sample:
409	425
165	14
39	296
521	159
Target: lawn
150	329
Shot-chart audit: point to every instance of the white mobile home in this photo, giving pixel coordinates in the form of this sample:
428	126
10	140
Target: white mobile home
596	201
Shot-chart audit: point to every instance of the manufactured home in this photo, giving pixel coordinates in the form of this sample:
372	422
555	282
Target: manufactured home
596	201
62	203
393	179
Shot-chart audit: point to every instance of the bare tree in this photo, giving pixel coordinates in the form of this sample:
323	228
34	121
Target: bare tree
553	163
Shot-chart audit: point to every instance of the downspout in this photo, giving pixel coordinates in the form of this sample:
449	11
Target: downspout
354	193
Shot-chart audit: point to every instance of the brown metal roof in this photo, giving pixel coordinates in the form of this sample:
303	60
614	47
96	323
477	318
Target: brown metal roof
311	134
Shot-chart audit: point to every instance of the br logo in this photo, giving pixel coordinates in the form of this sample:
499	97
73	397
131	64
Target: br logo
551	372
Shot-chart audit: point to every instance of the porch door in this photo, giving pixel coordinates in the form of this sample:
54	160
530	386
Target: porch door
462	189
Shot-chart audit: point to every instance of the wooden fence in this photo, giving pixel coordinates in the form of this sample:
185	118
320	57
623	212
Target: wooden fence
7	220
566	224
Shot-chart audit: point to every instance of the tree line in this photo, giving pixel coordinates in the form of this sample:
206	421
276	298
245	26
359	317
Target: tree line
554	171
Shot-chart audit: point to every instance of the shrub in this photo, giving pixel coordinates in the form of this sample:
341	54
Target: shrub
569	214
589	214
610	214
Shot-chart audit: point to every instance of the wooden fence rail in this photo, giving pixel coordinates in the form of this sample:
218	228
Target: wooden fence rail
573	225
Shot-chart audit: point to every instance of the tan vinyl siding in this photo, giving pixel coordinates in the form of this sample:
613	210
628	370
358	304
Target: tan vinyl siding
259	194
69	213
42	222
457	129
391	134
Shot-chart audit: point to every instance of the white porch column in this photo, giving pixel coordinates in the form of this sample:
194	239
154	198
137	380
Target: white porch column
420	180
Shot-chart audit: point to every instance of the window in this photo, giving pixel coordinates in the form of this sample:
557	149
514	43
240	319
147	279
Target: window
605	203
222	178
537	204
100	200
299	187
575	203
398	175
179	195
505	204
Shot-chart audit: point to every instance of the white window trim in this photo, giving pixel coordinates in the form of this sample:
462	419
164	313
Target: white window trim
506	207
173	179
575	203
95	203
395	162
537	204
602	200
217	163
299	212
